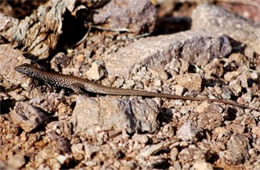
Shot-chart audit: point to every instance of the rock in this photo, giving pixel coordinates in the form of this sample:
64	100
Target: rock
202	165
89	113
95	72
27	116
149	150
189	154
256	131
187	131
200	50
17	161
134	15
160	50
226	93
6	21
218	21
11	58
3	165
176	165
62	159
38	34
210	118
179	89
110	112
235	87
158	72
59	60
192	82
145	112
237	151
173	154
231	75
202	107
90	150
62	144
143	139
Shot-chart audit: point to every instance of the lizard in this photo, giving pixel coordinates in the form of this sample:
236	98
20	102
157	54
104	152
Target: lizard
80	85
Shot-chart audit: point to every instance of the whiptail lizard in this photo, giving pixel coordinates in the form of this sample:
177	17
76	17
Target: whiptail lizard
79	85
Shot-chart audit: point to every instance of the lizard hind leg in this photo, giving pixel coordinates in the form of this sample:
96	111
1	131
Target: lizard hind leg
78	88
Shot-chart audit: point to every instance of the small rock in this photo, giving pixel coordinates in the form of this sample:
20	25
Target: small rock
254	75
231	75
192	82
179	90
256	131
210	118
27	116
188	131
237	151
149	150
235	87
247	97
90	150
145	112
236	127
143	139
256	113
201	50
190	154
158	72
17	161
202	165
243	79
95	72
157	83
226	93
202	107
59	60
177	165
173	154
62	158
62	144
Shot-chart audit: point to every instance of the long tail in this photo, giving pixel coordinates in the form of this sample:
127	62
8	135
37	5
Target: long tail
129	92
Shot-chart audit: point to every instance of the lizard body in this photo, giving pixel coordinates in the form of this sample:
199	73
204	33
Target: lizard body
79	85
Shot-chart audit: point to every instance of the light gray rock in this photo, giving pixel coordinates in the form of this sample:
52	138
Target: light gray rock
114	113
188	131
145	112
218	21
191	46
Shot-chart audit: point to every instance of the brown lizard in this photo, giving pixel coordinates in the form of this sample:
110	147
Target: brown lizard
79	85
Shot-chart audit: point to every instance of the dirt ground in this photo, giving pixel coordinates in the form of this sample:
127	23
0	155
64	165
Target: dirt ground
186	48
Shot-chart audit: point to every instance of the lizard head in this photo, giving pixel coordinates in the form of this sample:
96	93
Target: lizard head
26	69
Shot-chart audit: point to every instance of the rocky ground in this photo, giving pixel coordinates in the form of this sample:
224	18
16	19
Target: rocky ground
187	48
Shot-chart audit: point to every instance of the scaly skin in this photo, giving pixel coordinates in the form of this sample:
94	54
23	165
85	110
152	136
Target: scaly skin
79	85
